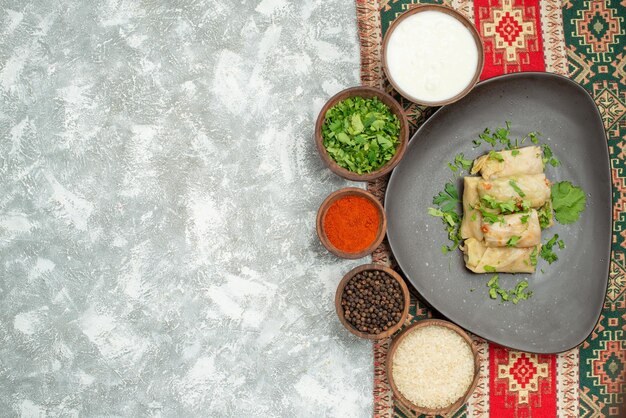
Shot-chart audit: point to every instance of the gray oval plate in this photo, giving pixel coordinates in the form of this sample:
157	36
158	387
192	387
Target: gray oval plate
568	297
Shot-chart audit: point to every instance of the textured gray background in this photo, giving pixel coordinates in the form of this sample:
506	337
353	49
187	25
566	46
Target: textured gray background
158	189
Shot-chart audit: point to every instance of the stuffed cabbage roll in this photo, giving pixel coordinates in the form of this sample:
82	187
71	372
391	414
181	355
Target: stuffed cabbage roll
519	230
506	163
499	259
472	219
534	188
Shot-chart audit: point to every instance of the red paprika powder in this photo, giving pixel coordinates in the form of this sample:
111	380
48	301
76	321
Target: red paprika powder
351	223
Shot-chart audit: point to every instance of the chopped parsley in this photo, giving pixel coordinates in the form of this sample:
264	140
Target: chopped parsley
548	156
533	257
490	269
485	136
546	250
515	152
516	188
448	201
513	240
568	201
460	163
491	218
524	218
514	295
447	216
545	215
503	134
463	163
493	155
507	207
498	135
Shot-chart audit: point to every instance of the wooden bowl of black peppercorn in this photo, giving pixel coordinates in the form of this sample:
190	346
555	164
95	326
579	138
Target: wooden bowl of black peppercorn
372	301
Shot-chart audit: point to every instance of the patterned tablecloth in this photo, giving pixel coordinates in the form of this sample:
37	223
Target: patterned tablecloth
586	41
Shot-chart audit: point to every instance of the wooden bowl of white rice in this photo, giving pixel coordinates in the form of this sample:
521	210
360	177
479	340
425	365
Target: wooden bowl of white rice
432	367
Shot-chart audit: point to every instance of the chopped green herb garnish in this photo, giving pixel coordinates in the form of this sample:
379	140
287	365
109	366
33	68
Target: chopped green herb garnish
545	215
486	136
461	162
450	218
513	240
534	137
515	295
503	135
546	250
490	269
453	167
489	201
493	155
561	244
533	257
524	218
500	135
507	207
548	156
516	188
515	152
519	294
447	201
435	212
568	201
491	218
361	135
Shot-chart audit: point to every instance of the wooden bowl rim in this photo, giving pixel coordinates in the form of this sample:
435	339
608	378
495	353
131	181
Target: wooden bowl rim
339	309
336	195
392	350
395	108
460	17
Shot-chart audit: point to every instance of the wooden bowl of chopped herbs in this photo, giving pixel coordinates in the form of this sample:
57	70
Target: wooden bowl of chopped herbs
361	133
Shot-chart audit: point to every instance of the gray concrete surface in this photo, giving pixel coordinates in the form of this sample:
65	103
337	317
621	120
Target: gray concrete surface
158	190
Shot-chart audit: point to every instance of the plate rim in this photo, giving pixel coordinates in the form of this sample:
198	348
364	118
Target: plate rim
605	152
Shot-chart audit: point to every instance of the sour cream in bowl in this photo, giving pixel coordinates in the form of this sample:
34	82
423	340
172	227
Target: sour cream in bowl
432	55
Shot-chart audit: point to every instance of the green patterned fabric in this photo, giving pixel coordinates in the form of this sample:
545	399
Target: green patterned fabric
595	35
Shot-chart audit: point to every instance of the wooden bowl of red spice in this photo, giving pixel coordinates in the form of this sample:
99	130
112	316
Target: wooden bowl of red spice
372	301
351	223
